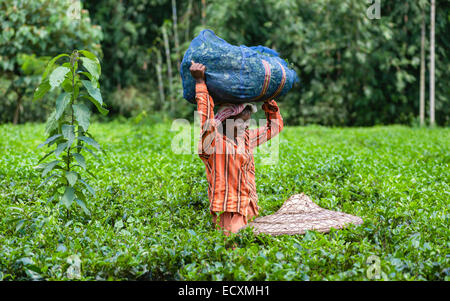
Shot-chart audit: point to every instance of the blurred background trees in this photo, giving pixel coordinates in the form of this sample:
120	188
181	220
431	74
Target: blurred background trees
354	70
30	30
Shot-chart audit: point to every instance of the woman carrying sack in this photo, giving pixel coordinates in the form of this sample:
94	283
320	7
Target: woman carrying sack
226	148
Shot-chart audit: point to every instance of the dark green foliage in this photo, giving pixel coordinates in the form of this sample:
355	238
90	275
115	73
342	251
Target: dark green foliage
129	30
132	33
31	32
150	218
68	126
353	70
42	28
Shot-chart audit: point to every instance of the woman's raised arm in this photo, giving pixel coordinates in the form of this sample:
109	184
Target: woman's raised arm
205	108
274	125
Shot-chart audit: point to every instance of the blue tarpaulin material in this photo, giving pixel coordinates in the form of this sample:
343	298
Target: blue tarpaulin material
236	74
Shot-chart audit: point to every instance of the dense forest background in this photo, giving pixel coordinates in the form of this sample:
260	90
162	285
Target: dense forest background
354	70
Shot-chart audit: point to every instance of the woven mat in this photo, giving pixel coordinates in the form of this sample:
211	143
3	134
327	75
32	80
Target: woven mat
299	214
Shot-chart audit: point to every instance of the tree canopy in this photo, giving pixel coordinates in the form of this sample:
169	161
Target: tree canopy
354	69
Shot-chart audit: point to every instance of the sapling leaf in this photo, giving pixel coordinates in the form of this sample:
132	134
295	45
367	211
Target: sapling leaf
93	91
60	148
89	141
68	133
49	167
101	109
87	74
51	63
88	54
68	197
41	90
91	66
82	115
92	153
61	103
52	138
46	156
91	174
57	76
80	159
71	177
67	85
52	123
47	179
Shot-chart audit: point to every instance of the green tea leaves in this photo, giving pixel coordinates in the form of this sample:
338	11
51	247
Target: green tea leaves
88	187
83	206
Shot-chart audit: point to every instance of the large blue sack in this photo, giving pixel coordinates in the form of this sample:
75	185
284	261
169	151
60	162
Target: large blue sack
236	74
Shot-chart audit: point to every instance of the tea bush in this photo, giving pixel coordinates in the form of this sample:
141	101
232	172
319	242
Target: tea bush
150	219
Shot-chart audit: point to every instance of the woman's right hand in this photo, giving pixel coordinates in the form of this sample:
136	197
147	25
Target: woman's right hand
198	72
270	105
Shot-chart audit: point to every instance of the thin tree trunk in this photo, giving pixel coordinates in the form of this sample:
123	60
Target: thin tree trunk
203	13
422	73
189	12
175	33
432	18
18	108
169	66
160	81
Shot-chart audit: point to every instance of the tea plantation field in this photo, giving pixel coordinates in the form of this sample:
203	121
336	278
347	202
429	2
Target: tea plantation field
150	219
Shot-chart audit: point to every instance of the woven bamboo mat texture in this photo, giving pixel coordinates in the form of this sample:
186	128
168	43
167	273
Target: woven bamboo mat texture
299	214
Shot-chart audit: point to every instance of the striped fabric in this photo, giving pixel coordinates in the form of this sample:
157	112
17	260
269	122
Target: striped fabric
266	83
230	109
283	81
230	168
